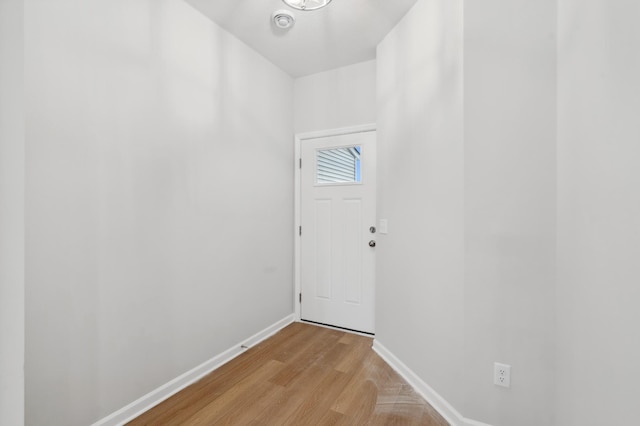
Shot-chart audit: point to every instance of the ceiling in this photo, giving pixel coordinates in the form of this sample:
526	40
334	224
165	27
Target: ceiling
343	33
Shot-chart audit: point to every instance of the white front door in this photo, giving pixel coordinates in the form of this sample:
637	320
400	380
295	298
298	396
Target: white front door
337	245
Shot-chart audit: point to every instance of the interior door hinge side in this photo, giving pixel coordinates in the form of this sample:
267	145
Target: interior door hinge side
300	230
300	297
300	166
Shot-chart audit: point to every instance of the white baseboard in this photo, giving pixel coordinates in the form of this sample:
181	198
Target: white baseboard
446	410
169	389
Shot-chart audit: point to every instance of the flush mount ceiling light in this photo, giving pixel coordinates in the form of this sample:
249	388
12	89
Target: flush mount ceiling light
283	19
307	4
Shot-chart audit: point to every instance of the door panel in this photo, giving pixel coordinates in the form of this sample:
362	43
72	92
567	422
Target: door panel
338	187
323	249
352	259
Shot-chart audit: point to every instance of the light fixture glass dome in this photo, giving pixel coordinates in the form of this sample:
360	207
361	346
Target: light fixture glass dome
307	4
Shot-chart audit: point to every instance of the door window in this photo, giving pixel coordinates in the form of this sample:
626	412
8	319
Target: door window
338	165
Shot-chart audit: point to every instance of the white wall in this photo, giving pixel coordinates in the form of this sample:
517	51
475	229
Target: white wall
11	213
337	98
598	212
159	152
419	282
509	125
466	275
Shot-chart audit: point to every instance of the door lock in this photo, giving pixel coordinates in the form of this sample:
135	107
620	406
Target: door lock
372	229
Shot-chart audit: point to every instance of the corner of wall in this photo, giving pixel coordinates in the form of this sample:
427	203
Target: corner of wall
12	172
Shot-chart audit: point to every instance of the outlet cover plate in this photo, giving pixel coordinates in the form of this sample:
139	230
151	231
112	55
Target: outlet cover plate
502	375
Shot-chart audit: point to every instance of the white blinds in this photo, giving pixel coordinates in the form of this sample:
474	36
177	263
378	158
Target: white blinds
338	165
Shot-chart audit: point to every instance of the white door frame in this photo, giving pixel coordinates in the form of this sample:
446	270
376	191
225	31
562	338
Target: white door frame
299	138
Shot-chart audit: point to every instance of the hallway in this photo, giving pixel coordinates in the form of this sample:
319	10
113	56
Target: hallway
150	224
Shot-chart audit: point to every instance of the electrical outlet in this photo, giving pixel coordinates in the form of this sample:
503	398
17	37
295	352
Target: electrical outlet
501	374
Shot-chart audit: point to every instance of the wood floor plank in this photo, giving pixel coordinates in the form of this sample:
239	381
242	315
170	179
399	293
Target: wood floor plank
237	396
287	400
303	375
360	395
309	354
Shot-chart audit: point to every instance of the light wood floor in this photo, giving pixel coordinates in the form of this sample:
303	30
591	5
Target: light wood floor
303	375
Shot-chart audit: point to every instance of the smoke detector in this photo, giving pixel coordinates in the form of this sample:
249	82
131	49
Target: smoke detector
283	19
